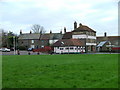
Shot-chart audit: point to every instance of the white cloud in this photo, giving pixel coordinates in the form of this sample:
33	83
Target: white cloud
17	27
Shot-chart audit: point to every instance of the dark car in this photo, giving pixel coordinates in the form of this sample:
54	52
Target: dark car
12	49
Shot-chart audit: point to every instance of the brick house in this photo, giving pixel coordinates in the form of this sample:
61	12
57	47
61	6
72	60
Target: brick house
35	40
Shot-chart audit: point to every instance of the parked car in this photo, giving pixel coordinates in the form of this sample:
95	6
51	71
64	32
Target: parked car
0	49
30	49
47	49
5	50
12	49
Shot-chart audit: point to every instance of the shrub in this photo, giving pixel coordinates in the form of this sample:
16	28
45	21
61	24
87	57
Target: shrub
22	48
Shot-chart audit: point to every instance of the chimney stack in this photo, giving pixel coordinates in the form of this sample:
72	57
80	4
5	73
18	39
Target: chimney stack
20	31
50	32
64	29
61	32
105	34
75	25
80	24
30	31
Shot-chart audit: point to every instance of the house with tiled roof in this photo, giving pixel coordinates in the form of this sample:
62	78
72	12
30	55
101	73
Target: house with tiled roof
68	46
35	40
113	39
85	34
67	35
113	42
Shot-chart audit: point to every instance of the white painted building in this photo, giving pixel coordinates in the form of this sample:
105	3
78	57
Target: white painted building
68	46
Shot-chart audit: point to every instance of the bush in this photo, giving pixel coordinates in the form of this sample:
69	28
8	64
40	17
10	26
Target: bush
22	48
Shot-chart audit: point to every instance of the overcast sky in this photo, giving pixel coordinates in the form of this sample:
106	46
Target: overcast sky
100	15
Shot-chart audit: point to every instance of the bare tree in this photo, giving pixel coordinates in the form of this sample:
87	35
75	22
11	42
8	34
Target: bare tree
38	29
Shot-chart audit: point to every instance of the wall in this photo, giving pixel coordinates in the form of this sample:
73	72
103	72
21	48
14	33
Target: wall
37	43
83	36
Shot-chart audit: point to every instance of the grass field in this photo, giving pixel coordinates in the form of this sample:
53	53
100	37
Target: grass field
61	71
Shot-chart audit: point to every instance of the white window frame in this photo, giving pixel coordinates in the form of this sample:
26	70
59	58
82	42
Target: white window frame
32	41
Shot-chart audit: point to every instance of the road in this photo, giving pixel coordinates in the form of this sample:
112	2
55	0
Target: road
21	53
35	53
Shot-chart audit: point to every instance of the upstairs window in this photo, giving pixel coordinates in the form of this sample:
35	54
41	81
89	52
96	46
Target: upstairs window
32	41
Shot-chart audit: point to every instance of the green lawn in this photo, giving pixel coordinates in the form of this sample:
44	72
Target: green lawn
61	71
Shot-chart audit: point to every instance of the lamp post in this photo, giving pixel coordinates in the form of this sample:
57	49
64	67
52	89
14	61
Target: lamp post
14	43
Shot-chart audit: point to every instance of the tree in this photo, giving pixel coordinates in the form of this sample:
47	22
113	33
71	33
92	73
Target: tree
3	38
38	29
10	38
7	39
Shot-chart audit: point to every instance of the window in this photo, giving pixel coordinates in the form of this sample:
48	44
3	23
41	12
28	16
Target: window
75	48
42	41
61	48
71	48
32	41
32	46
78	48
37	46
